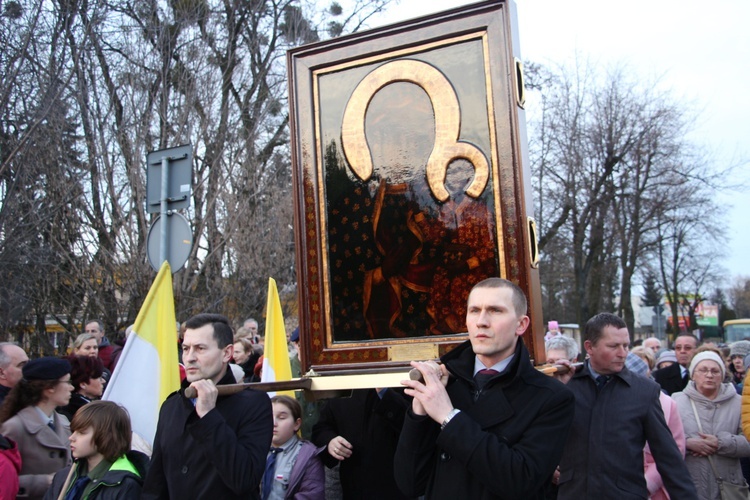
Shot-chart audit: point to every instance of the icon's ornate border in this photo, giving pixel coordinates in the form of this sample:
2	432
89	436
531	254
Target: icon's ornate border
492	23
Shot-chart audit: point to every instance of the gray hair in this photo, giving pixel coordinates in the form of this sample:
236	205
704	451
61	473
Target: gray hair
98	322
562	342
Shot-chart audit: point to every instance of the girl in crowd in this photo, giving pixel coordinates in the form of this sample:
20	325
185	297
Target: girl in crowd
86	377
293	469
710	412
28	417
105	468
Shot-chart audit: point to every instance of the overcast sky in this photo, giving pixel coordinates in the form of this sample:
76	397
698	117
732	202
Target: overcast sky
702	49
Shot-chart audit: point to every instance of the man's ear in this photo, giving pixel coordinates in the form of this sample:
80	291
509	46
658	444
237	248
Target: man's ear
587	345
228	353
523	324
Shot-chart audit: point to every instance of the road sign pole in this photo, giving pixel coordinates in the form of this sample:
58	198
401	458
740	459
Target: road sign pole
164	202
167	192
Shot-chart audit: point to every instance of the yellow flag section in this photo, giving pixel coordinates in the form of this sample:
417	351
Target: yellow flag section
276	365
746	406
148	370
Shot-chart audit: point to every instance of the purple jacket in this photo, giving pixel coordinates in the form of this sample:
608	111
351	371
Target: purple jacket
307	480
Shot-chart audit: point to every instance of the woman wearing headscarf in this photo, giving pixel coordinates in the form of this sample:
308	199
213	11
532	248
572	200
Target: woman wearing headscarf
28	417
710	413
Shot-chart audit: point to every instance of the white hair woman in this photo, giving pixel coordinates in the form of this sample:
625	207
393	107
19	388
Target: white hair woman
710	412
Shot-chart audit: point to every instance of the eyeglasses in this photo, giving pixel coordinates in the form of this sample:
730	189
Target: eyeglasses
706	371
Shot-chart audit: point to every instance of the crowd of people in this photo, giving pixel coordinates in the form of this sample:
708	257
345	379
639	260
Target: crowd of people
613	422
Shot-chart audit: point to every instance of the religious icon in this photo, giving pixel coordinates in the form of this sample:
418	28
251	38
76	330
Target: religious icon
407	167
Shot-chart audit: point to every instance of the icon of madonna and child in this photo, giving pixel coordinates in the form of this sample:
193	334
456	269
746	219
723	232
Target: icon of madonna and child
410	217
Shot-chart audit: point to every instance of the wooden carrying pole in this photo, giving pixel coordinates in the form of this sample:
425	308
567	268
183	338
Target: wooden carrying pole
347	382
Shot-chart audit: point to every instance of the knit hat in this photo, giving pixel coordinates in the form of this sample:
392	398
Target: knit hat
712	356
553	325
45	369
740	348
666	356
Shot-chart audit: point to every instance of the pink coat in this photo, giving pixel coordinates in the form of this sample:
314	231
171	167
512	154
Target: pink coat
653	479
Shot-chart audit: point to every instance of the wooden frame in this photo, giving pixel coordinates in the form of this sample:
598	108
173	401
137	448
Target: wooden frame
408	153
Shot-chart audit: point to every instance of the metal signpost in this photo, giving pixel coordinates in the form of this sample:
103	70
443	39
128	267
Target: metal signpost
168	189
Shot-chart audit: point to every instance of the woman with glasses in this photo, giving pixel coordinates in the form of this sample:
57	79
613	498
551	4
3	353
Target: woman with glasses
28	417
710	413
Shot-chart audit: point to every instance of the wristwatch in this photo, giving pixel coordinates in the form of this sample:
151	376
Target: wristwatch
449	417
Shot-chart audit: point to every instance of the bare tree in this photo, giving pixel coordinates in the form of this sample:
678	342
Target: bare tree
688	252
739	296
609	155
102	84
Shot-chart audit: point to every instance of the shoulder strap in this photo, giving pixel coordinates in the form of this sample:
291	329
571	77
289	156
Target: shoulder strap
700	429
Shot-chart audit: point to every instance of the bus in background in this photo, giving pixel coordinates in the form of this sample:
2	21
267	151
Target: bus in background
736	329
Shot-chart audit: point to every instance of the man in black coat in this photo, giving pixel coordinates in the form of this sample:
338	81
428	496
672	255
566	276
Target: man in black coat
484	435
211	446
616	412
361	433
675	377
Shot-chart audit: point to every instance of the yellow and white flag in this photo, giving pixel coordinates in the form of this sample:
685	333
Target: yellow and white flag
276	364
148	369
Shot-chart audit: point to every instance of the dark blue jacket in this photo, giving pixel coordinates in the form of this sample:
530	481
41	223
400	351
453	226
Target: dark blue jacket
604	455
504	444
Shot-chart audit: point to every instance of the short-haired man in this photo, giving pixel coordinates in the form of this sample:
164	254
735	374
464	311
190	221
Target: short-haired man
12	361
616	412
674	378
211	446
252	325
96	328
498	427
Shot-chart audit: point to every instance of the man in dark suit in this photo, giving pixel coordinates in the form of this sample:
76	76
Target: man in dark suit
675	377
616	412
496	427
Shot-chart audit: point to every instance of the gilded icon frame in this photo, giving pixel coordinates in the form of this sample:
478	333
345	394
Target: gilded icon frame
368	290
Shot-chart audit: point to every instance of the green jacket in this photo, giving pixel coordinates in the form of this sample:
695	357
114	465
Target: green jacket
123	480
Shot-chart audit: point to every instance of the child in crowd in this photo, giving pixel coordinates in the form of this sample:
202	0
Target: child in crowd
293	469
105	467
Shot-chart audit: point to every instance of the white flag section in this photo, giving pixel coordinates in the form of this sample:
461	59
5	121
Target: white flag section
276	364
148	369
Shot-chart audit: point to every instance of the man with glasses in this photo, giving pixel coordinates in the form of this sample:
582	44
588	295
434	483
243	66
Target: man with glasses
675	377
